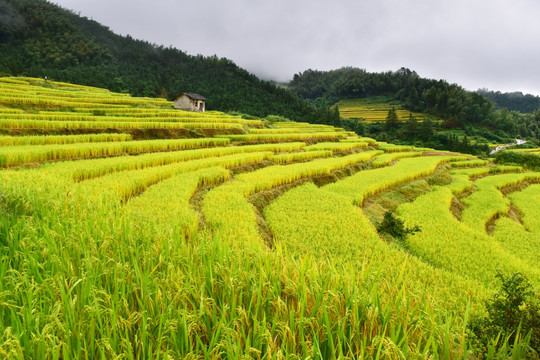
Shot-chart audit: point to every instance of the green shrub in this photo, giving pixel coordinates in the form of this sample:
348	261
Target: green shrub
276	118
98	112
530	161
242	115
395	227
513	312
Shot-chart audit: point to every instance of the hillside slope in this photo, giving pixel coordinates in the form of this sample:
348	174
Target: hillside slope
263	240
38	38
513	101
465	110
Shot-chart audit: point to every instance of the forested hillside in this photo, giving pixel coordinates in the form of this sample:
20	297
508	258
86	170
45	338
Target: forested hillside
40	39
513	101
459	108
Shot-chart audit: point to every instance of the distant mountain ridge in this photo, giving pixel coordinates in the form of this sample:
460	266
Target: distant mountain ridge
513	101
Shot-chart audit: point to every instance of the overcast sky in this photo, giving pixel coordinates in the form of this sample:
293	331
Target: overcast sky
491	44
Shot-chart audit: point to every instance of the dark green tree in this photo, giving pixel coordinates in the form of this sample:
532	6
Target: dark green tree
411	127
426	130
464	146
336	118
392	121
355	125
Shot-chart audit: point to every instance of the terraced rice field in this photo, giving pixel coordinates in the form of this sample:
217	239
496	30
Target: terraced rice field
372	110
253	240
529	151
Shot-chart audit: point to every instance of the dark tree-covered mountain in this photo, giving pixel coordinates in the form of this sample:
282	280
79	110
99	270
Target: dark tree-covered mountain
459	108
38	38
516	101
436	97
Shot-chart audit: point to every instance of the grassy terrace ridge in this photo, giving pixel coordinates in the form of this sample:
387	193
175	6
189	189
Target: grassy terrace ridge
258	240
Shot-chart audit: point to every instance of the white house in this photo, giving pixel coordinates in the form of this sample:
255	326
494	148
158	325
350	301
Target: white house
190	102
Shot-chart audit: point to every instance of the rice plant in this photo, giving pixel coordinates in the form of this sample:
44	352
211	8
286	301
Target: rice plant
300	156
18	155
155	249
487	202
447	243
370	182
61	139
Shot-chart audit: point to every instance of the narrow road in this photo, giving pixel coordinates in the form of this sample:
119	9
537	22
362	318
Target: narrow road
500	147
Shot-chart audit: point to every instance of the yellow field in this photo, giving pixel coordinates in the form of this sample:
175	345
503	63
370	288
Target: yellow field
532	151
373	109
256	240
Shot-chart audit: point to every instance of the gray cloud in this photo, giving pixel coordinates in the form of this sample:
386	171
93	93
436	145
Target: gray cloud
475	43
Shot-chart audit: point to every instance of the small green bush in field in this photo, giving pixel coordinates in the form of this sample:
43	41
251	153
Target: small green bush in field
395	227
513	311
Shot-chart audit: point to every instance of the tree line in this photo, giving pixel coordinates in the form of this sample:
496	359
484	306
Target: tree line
459	108
513	101
425	133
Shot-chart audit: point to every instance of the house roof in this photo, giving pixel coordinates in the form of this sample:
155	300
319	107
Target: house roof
194	96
